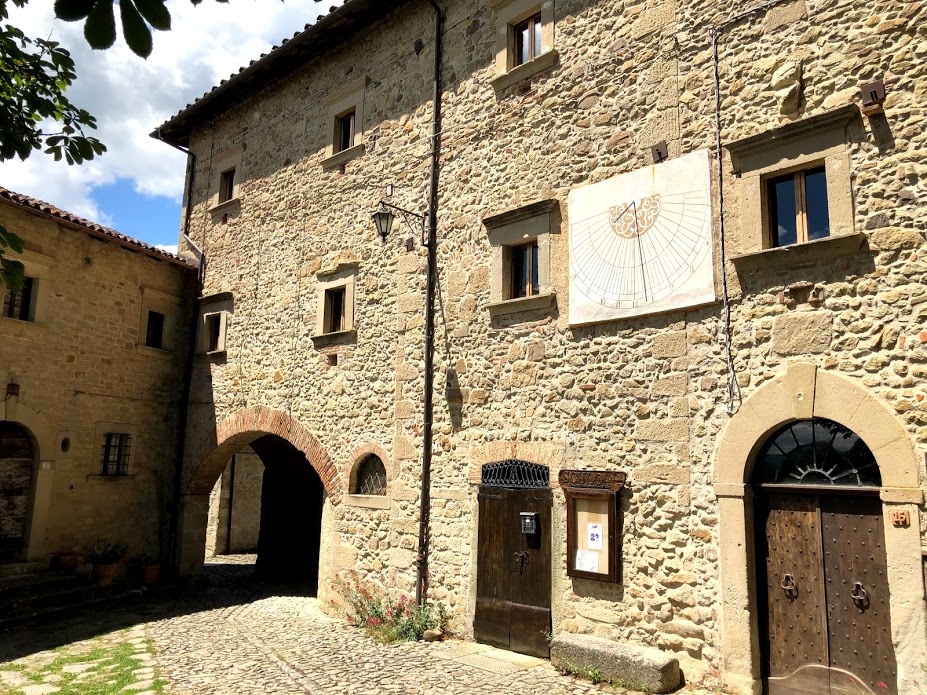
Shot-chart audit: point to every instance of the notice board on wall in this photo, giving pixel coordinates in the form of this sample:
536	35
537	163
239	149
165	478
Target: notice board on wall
593	540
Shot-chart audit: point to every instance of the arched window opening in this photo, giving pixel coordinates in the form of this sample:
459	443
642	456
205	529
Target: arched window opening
816	452
515	473
371	476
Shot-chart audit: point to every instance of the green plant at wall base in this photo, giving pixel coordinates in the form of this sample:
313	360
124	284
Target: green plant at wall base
103	552
389	620
593	674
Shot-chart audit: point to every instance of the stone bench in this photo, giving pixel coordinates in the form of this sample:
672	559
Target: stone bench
632	666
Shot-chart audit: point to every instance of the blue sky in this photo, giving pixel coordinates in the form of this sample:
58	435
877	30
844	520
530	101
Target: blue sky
136	187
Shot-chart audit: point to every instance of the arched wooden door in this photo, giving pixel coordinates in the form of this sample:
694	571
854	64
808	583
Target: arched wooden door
823	584
17	462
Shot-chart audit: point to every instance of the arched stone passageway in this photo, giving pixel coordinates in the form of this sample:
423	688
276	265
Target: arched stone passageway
804	392
299	479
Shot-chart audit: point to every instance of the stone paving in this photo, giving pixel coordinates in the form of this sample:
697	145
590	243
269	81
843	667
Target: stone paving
243	637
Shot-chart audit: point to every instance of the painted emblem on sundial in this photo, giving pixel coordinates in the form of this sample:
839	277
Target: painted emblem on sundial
641	242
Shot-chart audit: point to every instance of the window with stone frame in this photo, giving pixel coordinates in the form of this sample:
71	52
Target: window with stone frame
345	130
525	40
520	242
19	304
154	331
117	447
225	187
157	326
794	185
335	309
345	124
370	476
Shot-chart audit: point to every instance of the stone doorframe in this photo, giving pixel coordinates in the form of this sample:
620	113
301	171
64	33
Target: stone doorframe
207	456
803	392
44	447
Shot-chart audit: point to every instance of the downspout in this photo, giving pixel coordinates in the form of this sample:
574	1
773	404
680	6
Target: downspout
427	438
173	548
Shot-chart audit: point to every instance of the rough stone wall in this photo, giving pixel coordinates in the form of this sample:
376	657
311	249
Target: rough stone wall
77	366
244	505
645	395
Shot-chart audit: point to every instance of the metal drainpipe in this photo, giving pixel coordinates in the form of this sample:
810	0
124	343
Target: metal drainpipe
173	552
427	439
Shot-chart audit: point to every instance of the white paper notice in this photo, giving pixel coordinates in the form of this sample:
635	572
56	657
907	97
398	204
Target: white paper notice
587	561
594	533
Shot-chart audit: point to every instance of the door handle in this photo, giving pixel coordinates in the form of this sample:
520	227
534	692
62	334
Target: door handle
788	586
521	558
859	595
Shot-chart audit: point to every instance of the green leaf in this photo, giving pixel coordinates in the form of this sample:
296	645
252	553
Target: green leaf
10	240
155	13
12	274
73	10
136	32
100	28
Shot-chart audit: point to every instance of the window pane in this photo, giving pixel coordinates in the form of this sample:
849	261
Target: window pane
535	284
213	326
519	271
782	222
816	195
346	131
522	43
335	307
154	334
537	36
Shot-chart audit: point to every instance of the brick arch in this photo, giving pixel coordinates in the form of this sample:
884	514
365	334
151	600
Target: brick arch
211	453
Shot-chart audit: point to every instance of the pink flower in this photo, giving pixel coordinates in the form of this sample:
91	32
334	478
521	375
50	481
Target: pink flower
882	685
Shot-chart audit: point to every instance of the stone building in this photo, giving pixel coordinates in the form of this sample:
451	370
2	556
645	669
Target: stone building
621	304
92	353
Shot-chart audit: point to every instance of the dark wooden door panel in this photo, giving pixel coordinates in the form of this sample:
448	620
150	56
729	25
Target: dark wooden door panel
859	628
530	626
531	553
796	618
491	624
492	566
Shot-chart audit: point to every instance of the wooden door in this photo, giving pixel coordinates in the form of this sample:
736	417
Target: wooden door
16	466
823	634
513	571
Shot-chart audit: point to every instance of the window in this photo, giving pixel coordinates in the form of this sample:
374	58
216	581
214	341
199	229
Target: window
345	131
116	449
213	332
334	310
370	478
345	124
19	304
154	332
797	205
227	185
526	37
524	270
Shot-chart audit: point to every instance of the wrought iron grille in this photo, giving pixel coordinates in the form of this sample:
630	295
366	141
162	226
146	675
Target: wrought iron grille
116	449
371	476
517	474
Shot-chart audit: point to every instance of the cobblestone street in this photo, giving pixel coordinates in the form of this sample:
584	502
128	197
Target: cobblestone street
239	637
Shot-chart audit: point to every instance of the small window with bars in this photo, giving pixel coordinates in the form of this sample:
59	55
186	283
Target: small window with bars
117	446
18	304
371	477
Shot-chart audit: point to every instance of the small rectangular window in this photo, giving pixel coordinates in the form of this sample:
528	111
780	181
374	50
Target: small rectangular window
527	40
154	331
797	207
344	131
116	449
227	185
213	332
334	310
18	304
524	270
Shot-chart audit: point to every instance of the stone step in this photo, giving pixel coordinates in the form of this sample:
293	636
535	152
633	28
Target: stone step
15	569
74	602
36	583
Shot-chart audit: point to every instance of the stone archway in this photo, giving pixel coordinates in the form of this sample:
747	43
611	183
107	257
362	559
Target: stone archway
805	392
207	457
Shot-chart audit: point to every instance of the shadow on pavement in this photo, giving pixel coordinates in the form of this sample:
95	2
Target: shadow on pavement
229	584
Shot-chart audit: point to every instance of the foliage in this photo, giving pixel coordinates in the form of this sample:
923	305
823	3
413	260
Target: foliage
12	273
591	673
103	552
389	620
138	18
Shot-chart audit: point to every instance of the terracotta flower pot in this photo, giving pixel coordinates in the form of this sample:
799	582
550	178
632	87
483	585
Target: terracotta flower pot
105	573
151	574
67	562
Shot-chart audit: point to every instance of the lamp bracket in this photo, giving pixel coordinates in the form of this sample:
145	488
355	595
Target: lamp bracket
409	216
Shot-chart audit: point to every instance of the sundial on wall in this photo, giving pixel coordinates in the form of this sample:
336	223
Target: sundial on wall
642	243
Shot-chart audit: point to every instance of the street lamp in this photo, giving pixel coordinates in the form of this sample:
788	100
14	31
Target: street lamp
383	220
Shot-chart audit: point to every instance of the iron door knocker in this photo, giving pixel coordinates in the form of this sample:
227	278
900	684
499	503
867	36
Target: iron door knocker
859	595
788	586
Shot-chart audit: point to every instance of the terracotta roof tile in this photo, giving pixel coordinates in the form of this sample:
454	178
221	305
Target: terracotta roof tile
92	228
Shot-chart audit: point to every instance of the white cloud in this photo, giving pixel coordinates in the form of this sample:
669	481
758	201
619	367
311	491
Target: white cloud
170	248
130	96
